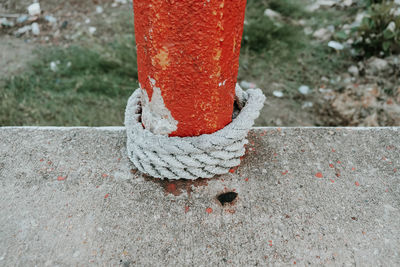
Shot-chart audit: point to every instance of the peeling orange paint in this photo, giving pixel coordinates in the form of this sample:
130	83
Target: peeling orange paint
191	49
218	54
162	57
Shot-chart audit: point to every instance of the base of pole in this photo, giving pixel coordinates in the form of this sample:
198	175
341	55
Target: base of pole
195	157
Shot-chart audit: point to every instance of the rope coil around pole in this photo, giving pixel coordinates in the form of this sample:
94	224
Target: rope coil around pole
195	157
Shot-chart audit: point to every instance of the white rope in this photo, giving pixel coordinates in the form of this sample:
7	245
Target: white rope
195	157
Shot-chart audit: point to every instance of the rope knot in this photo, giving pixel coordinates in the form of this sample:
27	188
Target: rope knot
194	157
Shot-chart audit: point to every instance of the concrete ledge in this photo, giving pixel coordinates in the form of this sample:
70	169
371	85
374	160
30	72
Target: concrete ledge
69	196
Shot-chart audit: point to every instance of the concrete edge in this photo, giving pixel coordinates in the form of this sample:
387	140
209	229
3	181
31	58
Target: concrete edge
120	128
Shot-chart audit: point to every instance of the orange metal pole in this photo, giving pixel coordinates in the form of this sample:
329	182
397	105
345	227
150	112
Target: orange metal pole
188	58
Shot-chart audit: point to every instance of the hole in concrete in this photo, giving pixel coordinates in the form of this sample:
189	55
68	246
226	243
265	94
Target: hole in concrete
227	197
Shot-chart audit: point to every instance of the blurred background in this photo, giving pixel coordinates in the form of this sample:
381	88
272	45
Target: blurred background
319	62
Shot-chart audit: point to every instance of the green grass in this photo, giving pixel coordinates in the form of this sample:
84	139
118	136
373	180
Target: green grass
93	91
91	87
280	52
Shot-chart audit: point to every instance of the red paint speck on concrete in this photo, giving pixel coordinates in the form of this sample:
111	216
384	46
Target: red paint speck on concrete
270	243
353	169
234	169
209	210
333	150
339	162
171	188
187	209
332	181
331	165
394	170
285	172
319	175
357	183
104	175
231	211
106	196
41	160
246	179
61	178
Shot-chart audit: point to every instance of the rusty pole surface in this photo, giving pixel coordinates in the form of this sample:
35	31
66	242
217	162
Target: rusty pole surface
188	59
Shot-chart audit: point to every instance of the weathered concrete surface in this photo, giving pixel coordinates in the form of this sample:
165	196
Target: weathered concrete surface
305	196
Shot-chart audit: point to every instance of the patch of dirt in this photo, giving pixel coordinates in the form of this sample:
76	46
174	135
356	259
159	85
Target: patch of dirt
63	22
14	54
73	22
285	112
369	97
